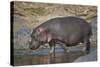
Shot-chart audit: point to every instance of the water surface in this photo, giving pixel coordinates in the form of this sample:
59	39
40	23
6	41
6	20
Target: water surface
31	57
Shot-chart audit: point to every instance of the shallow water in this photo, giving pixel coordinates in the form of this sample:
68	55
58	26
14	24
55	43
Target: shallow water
29	57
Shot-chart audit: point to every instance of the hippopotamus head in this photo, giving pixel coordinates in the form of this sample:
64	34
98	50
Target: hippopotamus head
38	38
34	44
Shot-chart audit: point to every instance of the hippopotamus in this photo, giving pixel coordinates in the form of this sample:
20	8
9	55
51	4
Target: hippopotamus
64	31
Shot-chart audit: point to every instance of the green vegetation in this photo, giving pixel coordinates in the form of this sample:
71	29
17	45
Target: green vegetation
39	11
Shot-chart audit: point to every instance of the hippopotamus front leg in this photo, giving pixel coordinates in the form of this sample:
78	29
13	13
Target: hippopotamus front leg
52	46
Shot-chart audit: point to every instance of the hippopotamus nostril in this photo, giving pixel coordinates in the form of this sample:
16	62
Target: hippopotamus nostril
31	48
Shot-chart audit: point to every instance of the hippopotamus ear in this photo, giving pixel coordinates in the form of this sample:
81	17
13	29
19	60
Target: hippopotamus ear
40	29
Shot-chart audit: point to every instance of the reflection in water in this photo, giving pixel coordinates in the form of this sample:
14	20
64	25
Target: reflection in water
36	57
62	57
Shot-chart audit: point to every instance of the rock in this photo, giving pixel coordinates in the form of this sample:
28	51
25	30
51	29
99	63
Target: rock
21	33
94	29
90	57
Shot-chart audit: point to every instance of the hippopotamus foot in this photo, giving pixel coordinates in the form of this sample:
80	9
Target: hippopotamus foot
87	46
